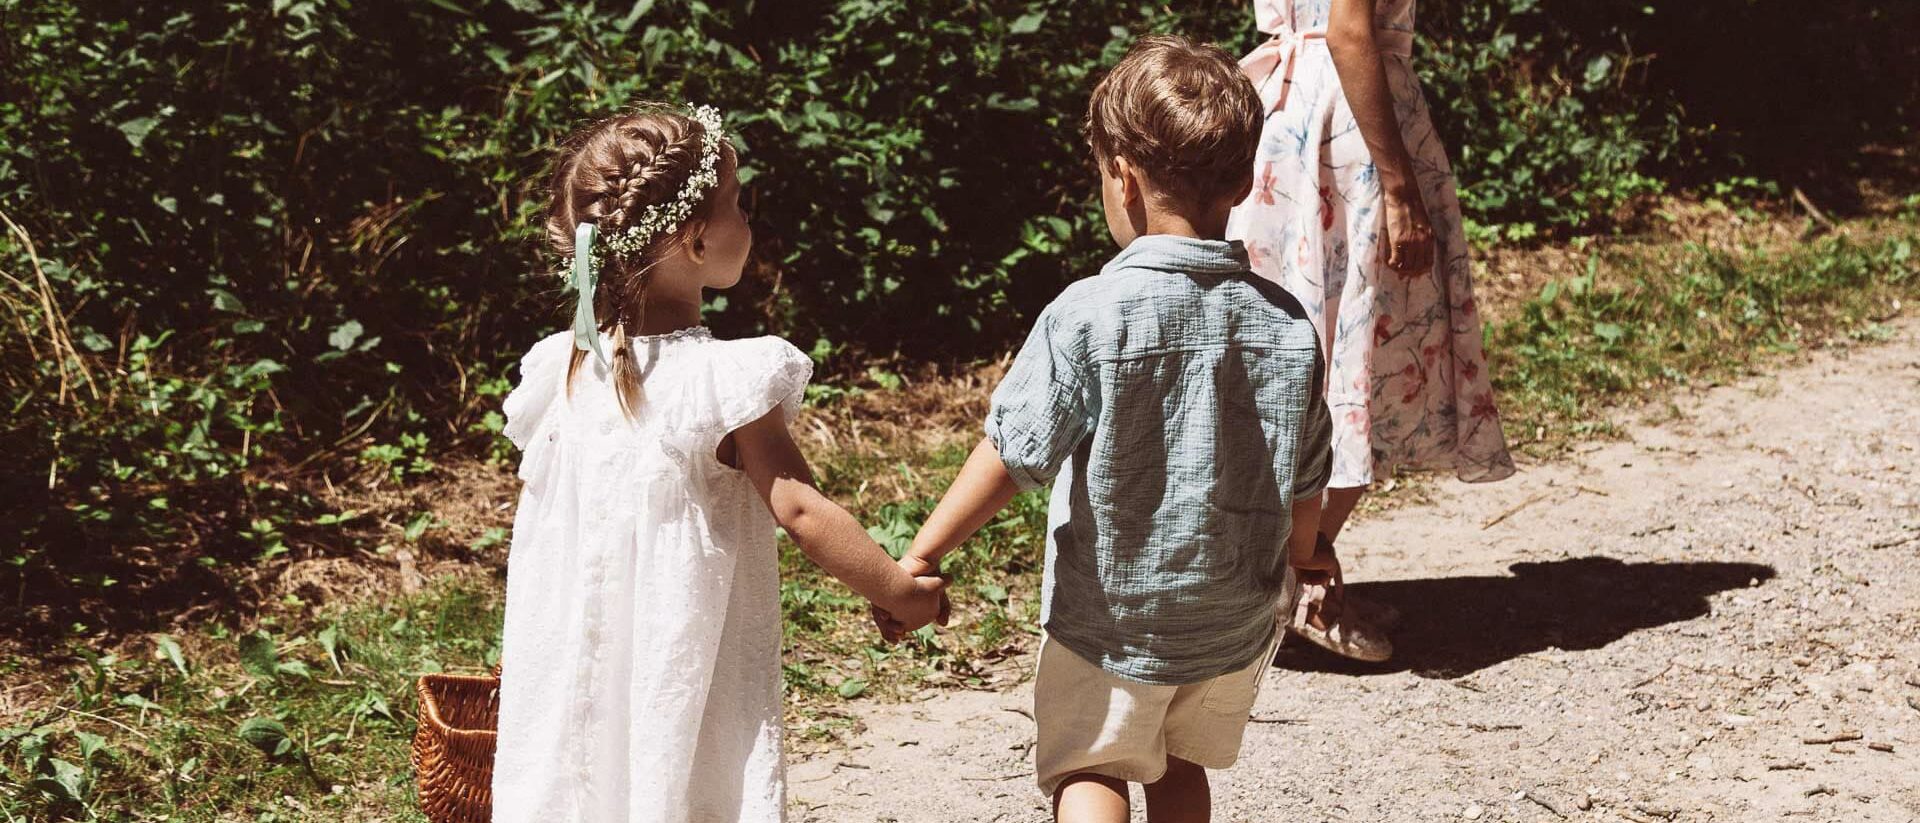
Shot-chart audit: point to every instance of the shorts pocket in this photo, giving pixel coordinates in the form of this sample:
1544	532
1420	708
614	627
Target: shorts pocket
1235	692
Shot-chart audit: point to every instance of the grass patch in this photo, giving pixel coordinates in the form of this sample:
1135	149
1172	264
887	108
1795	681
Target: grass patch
1642	321
297	718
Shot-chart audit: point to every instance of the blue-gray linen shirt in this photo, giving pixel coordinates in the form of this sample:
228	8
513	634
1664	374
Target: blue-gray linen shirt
1178	398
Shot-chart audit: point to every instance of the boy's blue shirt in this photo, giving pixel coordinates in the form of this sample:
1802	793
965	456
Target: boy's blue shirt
1178	398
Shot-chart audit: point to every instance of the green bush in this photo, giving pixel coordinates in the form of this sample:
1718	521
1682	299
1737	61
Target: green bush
274	237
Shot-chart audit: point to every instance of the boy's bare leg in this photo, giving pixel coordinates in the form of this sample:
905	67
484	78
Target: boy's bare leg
1182	796
1091	798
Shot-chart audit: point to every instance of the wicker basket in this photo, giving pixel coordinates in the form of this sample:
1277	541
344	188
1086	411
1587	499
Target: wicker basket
453	748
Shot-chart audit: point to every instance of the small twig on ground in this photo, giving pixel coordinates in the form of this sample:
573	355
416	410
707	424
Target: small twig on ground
1657	811
1891	542
104	720
1515	510
1282	721
1841	737
1655	676
1653	530
1592	490
1545	804
1881	747
1813	211
1494	727
1787	766
1019	711
1820	789
998	778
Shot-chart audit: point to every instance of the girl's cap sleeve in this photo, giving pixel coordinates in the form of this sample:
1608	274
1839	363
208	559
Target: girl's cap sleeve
543	372
768	373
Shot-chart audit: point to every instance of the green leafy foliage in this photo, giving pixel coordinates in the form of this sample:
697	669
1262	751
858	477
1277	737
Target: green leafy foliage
253	248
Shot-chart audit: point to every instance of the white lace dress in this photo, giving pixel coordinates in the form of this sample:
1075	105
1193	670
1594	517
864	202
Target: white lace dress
641	656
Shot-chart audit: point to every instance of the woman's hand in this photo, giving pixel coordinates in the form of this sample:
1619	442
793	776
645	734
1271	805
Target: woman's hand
1409	233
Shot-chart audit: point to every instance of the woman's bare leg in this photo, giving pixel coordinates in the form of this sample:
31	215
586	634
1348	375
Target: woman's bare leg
1340	504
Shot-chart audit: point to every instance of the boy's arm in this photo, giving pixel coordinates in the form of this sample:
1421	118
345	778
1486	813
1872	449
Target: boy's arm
983	488
1312	468
828	535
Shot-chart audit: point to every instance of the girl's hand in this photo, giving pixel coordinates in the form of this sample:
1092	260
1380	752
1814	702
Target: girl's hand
924	601
893	628
1409	233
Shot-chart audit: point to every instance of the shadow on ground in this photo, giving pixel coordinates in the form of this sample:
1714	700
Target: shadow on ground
1455	626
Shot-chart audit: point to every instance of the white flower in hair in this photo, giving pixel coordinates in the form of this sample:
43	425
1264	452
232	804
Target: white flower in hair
662	218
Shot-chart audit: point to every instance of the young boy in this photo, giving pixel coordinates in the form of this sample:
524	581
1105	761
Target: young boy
1176	396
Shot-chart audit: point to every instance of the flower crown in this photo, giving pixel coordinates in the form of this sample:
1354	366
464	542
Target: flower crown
661	218
655	220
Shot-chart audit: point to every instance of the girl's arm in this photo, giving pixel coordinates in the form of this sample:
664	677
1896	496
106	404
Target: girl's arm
828	535
1363	76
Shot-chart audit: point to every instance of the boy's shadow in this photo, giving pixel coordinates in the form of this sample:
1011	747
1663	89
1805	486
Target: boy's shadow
1455	626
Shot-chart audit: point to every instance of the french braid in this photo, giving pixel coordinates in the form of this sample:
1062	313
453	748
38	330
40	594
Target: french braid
608	174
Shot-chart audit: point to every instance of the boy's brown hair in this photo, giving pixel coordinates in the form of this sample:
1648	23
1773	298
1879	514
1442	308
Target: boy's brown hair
1182	113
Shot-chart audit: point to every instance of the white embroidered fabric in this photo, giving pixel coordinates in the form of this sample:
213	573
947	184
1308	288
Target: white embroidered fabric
641	658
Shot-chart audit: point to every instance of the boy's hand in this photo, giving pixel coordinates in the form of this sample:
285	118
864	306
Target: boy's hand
927	604
1319	569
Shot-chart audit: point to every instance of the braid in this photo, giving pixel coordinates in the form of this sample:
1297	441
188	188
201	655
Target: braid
608	174
653	173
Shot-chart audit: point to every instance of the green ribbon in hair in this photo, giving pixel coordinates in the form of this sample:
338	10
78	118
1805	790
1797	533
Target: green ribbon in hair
586	332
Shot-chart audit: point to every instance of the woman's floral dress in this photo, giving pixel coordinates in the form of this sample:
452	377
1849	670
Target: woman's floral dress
1407	377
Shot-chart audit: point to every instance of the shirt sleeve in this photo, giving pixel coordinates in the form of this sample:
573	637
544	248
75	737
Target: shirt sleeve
1313	466
1042	409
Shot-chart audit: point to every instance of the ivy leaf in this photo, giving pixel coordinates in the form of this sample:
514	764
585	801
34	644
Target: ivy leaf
170	649
135	700
993	593
224	300
1597	70
852	687
267	735
68	783
257	655
137	129
90	744
330	642
1028	23
345	334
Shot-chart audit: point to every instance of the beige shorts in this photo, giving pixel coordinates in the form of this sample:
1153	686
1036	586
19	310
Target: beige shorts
1093	722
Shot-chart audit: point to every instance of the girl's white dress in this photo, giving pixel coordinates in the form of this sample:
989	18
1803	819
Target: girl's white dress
641	659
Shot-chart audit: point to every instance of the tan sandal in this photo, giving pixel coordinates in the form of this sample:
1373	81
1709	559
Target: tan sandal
1338	630
1383	616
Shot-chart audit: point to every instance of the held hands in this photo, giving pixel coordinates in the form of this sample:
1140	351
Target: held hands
1409	233
926	602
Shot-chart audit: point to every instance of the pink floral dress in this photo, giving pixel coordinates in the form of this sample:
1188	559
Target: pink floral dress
1408	382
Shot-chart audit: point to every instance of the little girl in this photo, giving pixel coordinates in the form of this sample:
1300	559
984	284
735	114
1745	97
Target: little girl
641	660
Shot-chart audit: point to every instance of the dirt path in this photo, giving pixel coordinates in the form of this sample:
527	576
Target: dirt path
1653	631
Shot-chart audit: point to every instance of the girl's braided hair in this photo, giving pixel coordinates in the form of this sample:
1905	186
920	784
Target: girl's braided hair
607	174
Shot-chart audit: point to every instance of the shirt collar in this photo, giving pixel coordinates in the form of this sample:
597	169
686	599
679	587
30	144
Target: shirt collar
1181	255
